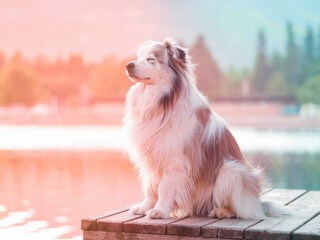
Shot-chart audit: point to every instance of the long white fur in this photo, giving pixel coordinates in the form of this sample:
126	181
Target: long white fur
170	130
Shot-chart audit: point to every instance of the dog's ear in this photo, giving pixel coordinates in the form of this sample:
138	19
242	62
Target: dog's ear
175	51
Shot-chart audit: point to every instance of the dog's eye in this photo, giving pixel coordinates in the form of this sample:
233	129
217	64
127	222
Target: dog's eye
151	60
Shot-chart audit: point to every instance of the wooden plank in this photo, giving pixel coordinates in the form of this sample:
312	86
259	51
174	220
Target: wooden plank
275	228
282	227
265	190
189	226
228	228
122	225
90	223
235	228
148	226
101	235
285	196
115	223
309	231
308	203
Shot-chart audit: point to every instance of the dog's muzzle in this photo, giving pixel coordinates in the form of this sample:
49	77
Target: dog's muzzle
130	66
132	73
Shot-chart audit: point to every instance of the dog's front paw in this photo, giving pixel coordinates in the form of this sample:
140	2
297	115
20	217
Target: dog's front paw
221	213
157	214
137	210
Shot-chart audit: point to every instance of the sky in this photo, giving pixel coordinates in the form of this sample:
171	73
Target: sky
100	28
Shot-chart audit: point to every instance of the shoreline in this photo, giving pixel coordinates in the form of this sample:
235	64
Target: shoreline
259	116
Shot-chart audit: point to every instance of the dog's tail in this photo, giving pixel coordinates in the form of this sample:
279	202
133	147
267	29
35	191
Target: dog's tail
275	209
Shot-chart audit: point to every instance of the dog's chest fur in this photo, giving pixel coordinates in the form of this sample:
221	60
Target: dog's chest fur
154	133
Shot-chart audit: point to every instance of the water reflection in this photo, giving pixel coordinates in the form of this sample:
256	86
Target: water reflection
293	171
44	194
49	192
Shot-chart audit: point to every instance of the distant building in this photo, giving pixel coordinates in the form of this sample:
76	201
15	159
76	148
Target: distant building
207	70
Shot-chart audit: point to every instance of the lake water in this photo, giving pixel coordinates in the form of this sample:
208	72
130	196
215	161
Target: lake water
52	176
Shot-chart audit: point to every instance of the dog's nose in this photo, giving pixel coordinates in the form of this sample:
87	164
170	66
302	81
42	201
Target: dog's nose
130	66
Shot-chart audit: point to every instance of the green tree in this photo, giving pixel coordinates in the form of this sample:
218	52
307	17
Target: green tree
277	85
234	81
262	69
309	91
294	64
309	45
311	63
278	62
317	46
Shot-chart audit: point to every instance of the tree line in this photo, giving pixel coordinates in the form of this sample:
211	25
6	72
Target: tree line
72	81
295	73
64	82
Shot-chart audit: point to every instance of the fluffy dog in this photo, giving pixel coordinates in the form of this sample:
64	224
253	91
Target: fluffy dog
188	160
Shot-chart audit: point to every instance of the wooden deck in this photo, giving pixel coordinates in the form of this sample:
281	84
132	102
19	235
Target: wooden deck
121	225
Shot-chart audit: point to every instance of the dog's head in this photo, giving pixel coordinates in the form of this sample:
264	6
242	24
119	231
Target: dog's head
160	63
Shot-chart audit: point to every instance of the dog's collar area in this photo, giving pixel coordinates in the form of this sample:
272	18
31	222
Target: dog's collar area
145	81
